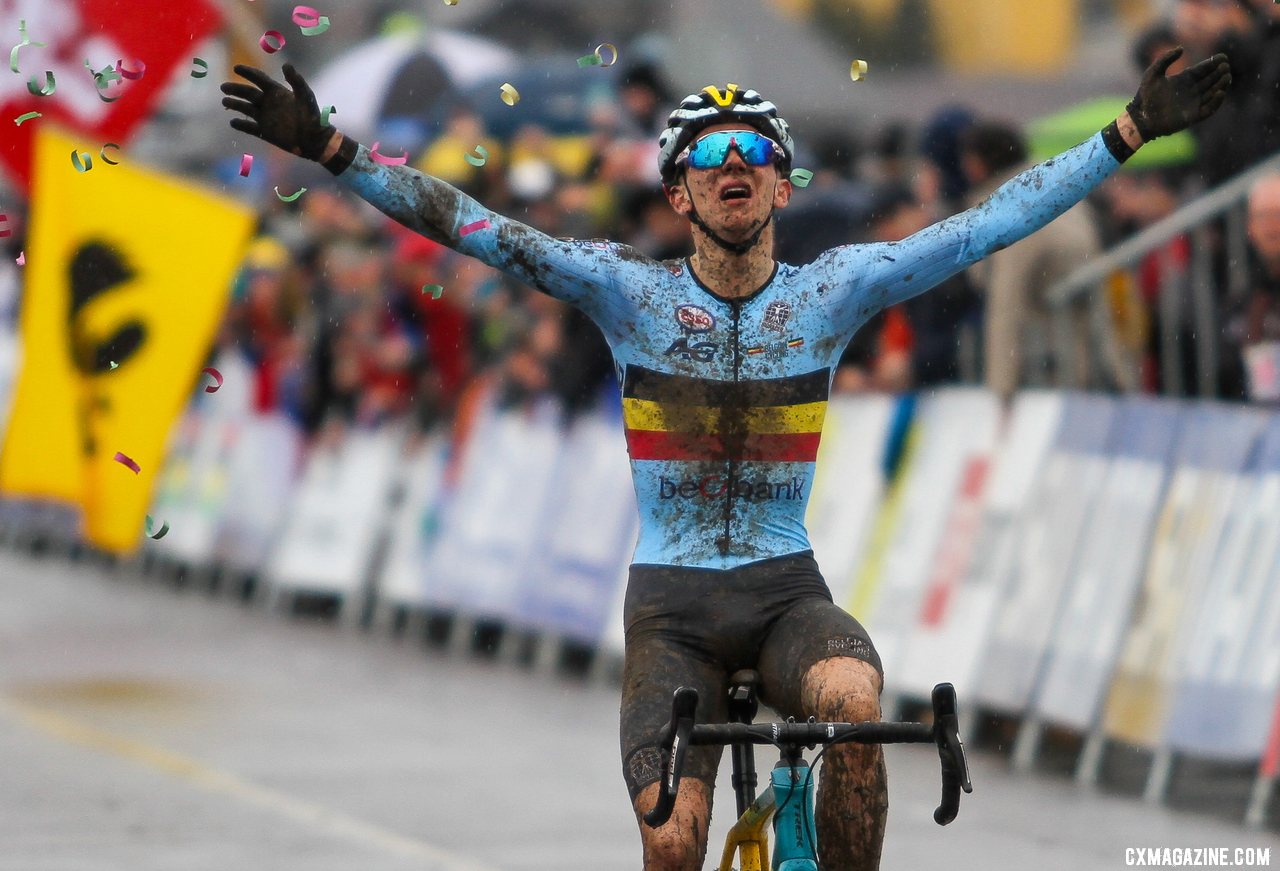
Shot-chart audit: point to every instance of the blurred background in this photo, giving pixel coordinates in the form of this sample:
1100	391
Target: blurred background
1053	480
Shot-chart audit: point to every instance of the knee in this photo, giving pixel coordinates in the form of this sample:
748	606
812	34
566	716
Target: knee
680	844
843	690
672	848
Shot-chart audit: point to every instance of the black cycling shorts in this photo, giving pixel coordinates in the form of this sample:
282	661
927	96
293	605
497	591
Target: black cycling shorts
695	627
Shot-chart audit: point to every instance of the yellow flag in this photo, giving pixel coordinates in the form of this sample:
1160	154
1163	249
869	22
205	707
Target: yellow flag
127	277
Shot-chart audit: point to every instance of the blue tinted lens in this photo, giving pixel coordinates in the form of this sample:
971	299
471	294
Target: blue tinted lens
713	149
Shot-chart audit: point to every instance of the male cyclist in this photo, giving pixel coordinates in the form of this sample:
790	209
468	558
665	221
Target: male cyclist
725	361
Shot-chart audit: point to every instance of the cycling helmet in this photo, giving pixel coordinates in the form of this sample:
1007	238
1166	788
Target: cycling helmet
711	106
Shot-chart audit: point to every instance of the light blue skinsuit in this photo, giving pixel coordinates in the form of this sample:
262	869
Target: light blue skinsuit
723	398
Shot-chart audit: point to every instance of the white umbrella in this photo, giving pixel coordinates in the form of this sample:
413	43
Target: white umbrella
359	81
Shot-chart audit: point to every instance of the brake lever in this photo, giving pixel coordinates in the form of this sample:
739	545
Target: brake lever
955	767
674	745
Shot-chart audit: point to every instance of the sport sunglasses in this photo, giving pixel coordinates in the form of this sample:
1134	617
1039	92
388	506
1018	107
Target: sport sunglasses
712	150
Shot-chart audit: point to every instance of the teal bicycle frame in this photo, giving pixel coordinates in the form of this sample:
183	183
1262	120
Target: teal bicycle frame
795	839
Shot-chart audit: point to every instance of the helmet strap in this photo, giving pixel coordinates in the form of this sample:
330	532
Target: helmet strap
732	247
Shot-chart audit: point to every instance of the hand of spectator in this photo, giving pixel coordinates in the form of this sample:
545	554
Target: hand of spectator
286	117
1167	104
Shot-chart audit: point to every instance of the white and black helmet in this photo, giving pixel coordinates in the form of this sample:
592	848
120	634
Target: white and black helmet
711	106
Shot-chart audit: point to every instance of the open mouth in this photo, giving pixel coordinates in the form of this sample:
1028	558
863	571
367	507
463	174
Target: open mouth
735	192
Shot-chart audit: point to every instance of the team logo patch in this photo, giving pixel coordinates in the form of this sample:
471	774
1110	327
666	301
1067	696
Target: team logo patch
776	315
695	319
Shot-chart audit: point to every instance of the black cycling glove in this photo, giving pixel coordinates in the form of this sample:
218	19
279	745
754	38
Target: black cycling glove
1167	104
288	118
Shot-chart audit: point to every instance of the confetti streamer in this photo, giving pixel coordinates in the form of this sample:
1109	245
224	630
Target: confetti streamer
114	365
26	40
311	22
477	156
164	529
131	75
200	68
387	161
510	95
246	164
291	197
127	463
26	116
858	70
482	224
436	290
103	79
103	154
325	113
33	85
22	258
589	60
82	163
215	375
801	177
612	48
272	41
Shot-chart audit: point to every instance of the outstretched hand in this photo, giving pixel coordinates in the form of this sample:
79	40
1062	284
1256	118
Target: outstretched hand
1167	104
287	117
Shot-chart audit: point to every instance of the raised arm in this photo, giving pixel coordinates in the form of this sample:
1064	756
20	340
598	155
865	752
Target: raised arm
581	273
884	274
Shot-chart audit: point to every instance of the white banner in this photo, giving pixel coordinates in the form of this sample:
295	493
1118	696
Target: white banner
587	534
1228	679
1212	453
262	472
413	524
946	643
490	522
1113	553
1048	536
954	427
848	485
338	509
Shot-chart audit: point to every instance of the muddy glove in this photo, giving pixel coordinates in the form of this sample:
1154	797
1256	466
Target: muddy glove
288	118
1167	104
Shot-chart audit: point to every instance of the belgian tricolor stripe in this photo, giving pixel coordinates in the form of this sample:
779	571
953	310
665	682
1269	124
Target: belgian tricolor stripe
675	417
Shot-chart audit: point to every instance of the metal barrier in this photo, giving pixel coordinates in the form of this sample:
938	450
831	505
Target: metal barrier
1190	293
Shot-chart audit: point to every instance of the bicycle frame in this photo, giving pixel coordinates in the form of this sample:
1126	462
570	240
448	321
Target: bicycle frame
789	797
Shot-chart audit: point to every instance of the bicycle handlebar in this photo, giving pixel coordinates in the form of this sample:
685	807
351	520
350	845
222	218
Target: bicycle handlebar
681	732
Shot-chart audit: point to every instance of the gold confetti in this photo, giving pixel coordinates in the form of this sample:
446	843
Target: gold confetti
858	70
510	95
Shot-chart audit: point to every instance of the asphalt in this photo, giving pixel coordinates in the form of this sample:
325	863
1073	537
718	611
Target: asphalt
145	727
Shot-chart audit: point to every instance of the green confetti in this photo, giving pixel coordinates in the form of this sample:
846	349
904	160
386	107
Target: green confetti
325	113
103	154
436	290
318	28
164	529
589	60
82	163
26	116
291	197
33	85
801	177
477	156
115	365
202	68
26	40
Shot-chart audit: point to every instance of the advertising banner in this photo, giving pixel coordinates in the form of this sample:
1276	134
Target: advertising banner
1212	454
962	594
413	524
1048	538
1228	679
1112	557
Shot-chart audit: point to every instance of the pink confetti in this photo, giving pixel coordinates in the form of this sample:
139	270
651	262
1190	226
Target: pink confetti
22	258
305	16
387	161
482	224
270	37
131	75
127	463
216	375
246	164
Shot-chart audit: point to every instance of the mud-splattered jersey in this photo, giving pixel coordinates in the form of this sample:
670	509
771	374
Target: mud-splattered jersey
724	399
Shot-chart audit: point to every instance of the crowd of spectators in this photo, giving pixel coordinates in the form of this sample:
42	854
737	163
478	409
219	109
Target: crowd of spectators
337	312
